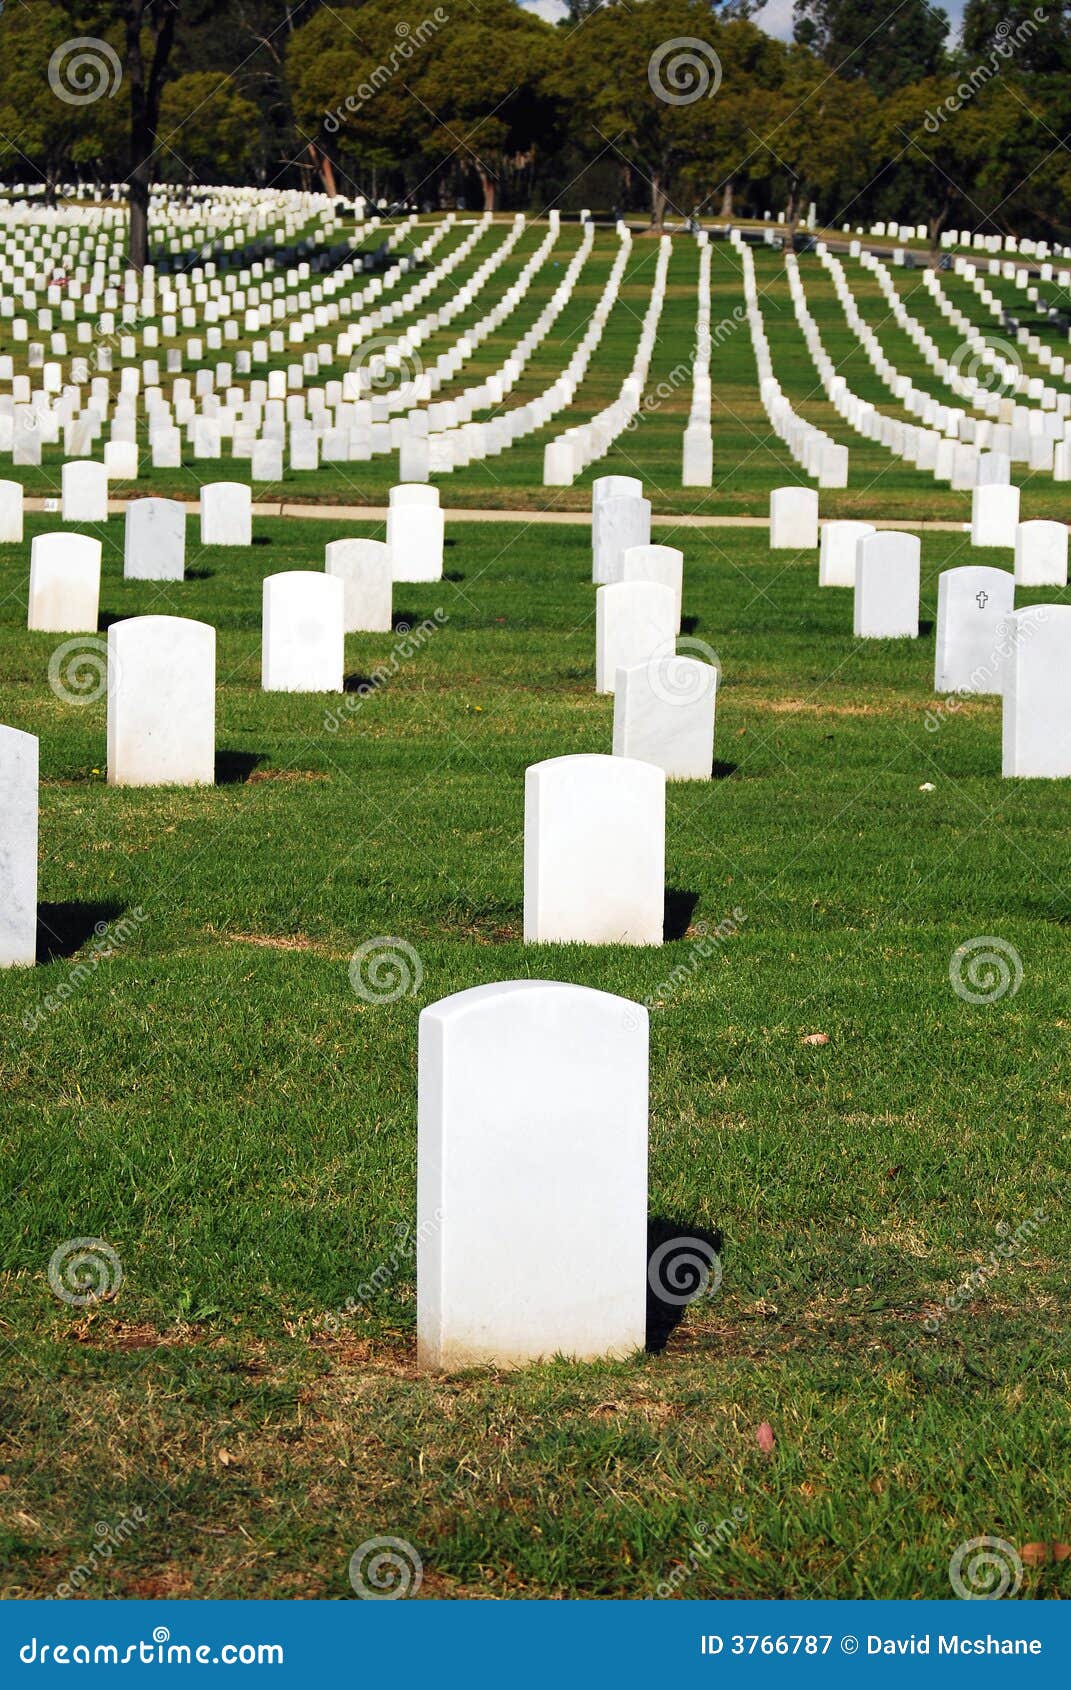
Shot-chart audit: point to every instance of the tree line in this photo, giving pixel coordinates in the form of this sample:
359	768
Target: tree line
671	108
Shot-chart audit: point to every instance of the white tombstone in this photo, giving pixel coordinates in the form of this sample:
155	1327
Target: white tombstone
414	459
64	583
594	851
10	513
1041	554
161	702
615	487
838	547
972	603
697	469
120	461
84	491
664	714
226	514
154	540
887	575
416	529
18	848
531	1176
994	515
617	523
303	639
166	447
635	621
793	519
1036	738
364	568
266	463
664	564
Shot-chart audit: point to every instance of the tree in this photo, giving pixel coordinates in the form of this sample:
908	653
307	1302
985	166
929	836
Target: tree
644	81
352	88
815	129
946	149
725	155
60	101
485	83
887	45
206	128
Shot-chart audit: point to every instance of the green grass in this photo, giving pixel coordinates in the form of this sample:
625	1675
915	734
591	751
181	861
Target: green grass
216	1102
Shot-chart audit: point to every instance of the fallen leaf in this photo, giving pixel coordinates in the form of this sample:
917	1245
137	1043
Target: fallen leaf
815	1039
1039	1554
226	1459
927	786
765	1439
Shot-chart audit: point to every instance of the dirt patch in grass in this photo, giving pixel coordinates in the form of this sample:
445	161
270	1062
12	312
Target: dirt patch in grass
287	774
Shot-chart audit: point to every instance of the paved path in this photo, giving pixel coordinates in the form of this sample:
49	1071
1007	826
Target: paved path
378	513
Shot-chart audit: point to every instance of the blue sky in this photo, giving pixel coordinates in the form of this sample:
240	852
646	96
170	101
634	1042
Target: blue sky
775	17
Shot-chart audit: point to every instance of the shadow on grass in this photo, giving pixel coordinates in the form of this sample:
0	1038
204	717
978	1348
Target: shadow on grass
363	684
683	1265
233	768
678	913
62	929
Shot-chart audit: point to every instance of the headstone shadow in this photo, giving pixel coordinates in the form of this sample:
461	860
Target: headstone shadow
62	929
233	768
679	908
683	1266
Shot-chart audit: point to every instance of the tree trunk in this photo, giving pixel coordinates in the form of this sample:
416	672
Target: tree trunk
658	201
936	225
326	169
792	216
727	199
490	191
145	91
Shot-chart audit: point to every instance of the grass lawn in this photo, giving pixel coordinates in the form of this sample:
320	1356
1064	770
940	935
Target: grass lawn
214	1100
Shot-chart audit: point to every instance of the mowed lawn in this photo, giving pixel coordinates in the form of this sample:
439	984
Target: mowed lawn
213	1099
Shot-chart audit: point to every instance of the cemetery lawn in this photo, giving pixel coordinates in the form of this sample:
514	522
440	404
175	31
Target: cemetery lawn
211	1097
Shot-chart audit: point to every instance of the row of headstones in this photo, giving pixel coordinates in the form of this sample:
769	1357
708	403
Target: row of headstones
947	442
39	420
154	308
570	453
664	705
435	440
983	644
958	374
1013	379
950	456
206	430
1055	362
65	569
817	453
